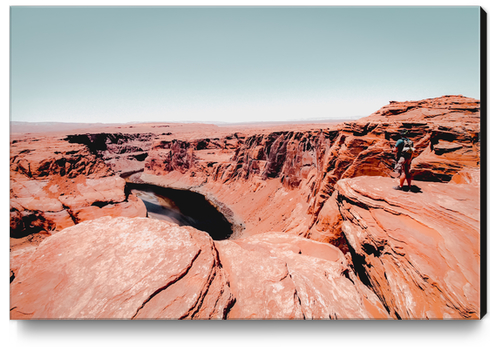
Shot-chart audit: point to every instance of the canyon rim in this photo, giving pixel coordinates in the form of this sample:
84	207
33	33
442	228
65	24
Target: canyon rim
316	229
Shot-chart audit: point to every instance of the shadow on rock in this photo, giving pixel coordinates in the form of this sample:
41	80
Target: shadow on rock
414	189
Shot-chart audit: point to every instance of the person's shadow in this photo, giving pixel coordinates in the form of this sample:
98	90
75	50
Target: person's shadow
415	189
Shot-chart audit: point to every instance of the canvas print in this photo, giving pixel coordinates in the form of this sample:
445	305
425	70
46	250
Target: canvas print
245	163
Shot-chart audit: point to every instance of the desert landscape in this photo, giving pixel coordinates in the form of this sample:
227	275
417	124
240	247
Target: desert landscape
248	221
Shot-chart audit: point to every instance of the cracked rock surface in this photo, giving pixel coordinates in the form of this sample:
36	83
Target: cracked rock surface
419	252
280	276
147	269
319	231
122	268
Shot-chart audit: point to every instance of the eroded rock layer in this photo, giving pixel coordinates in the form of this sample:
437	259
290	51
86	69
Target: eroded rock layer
122	268
419	252
308	164
55	184
121	152
318	231
146	269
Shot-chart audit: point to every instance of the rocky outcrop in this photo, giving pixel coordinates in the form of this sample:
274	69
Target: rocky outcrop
55	184
146	269
410	256
40	158
57	203
122	268
280	276
445	132
419	252
446	109
443	159
318	230
122	152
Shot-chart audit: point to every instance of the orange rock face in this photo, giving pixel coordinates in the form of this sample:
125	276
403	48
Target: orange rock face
39	158
318	231
55	184
279	276
122	269
146	269
122	152
420	259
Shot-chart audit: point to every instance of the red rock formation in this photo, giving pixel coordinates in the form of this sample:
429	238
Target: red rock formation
419	252
279	276
146	269
20	257
59	202
448	108
467	176
122	268
55	184
398	254
328	225
40	158
445	132
122	152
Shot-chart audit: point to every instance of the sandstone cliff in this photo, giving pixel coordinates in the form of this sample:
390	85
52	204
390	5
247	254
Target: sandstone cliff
318	230
308	164
55	184
409	257
121	152
146	269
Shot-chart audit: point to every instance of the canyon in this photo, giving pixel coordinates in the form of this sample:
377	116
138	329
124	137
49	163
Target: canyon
317	230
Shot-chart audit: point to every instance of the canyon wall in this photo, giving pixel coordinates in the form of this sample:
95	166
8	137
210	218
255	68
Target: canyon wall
55	184
318	230
305	166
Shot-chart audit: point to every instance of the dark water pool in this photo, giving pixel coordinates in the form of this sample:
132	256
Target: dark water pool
182	207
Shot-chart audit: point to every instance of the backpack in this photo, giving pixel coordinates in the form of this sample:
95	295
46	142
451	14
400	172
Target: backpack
408	148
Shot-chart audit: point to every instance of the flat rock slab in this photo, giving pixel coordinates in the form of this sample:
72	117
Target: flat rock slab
138	268
122	268
281	276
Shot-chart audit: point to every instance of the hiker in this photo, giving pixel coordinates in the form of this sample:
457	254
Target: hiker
404	152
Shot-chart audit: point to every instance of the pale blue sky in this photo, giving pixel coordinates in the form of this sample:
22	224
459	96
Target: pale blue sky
130	64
